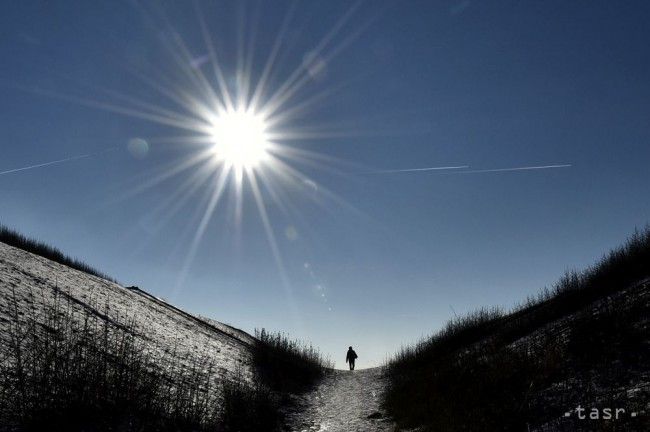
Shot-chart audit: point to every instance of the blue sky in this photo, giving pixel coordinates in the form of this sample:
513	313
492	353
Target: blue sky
370	260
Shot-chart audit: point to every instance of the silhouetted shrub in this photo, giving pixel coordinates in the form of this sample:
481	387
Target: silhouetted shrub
250	408
287	366
484	389
458	333
13	238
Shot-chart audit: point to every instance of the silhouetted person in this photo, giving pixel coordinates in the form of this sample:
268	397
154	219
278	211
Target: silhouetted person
351	357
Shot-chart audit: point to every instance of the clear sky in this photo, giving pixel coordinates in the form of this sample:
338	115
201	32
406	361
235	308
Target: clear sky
331	251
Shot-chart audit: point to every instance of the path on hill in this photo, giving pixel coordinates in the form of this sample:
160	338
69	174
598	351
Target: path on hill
345	401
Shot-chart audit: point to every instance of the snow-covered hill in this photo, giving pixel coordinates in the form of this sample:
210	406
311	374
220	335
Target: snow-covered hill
166	331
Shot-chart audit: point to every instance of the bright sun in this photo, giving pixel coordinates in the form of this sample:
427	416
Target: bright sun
240	139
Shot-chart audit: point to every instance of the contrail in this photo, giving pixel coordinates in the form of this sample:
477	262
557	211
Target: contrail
526	168
419	169
73	158
463	169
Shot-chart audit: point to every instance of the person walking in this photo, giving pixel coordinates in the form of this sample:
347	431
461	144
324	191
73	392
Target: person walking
351	357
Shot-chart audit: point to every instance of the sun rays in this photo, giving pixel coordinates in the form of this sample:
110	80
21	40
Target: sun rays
235	127
239	126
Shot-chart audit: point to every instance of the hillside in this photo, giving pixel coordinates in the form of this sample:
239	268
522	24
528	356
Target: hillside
577	357
602	360
68	333
36	282
80	352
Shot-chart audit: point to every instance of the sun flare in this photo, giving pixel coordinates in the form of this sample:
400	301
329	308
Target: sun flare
241	121
240	139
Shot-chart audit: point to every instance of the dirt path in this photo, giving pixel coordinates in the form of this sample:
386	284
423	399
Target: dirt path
345	401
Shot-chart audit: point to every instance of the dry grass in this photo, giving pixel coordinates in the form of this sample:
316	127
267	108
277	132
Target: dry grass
65	369
473	376
15	239
62	368
286	365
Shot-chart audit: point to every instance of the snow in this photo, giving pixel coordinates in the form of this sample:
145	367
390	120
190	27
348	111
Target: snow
166	331
343	401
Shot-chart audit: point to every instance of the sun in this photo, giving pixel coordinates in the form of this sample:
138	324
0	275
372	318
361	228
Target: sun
240	139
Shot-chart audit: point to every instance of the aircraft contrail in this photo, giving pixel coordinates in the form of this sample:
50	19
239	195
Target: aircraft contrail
419	169
73	158
526	168
463	169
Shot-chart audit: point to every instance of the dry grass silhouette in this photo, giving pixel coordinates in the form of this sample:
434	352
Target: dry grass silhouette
493	370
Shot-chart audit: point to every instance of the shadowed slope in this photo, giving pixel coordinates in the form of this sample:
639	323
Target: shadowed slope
583	343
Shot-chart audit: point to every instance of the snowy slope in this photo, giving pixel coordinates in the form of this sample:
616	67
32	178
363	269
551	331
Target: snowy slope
166	331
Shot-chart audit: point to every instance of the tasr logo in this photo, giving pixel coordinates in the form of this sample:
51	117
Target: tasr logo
594	413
